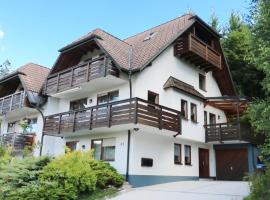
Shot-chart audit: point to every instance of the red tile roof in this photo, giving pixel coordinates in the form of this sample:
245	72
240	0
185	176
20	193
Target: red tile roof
33	76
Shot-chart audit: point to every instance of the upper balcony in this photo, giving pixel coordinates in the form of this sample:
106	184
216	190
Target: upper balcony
197	52
12	102
124	112
91	75
17	141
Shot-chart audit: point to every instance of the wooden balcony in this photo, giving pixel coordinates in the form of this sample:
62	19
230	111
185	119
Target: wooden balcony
197	52
79	74
127	111
12	102
17	141
231	131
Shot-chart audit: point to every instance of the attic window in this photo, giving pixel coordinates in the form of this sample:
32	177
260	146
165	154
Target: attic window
150	35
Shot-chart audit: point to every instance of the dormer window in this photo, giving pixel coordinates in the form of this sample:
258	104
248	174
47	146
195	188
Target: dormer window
151	35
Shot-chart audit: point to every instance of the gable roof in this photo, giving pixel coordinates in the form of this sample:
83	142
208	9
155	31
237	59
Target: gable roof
180	85
31	76
136	52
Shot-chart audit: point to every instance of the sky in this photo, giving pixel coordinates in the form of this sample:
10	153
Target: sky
34	30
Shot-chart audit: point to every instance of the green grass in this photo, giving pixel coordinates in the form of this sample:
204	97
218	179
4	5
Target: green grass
99	194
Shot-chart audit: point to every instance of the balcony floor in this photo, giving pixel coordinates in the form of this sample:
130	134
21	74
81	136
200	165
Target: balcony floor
94	85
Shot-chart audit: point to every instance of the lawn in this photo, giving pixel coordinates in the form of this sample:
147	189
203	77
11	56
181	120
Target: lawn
99	194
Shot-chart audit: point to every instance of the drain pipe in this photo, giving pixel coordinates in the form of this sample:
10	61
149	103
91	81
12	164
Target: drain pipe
130	96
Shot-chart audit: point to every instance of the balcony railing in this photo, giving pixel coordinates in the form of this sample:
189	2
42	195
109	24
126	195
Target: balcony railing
17	141
198	52
12	102
127	111
79	74
231	131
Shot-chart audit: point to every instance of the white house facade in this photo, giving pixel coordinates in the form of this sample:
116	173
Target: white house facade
159	106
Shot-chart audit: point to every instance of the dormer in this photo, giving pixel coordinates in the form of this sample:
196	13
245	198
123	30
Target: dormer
199	45
83	66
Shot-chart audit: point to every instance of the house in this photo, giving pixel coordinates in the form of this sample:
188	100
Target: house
159	106
20	114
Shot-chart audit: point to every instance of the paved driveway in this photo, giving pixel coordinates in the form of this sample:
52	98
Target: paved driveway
189	190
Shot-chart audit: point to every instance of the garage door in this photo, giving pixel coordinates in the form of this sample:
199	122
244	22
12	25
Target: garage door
231	164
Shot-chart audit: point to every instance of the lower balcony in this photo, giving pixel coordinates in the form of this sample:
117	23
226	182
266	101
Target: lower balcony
231	132
129	111
17	141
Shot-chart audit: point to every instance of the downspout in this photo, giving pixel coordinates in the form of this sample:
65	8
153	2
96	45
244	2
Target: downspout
130	96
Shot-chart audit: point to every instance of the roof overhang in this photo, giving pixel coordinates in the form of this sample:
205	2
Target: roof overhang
231	105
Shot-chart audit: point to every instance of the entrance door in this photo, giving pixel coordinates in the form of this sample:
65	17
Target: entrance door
203	163
232	164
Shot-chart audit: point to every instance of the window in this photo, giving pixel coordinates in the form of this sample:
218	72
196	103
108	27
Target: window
153	97
193	110
187	155
11	127
177	154
104	149
202	81
108	97
184	108
78	104
212	118
33	128
72	145
205	117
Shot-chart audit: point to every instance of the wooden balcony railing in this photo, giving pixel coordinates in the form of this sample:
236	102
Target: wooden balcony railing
198	52
127	111
17	141
12	102
79	74
231	131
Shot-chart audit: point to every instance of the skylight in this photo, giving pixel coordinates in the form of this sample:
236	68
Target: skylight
149	36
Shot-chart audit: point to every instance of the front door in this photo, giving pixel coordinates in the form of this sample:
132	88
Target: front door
203	163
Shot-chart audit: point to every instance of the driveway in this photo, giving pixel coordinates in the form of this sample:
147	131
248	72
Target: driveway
189	190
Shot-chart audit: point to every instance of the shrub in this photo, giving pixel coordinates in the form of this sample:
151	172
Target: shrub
106	174
72	172
260	186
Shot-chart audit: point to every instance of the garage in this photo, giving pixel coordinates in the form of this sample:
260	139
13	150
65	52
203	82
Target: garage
231	164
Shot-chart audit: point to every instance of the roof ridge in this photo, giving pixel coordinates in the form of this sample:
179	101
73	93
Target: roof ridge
159	25
113	36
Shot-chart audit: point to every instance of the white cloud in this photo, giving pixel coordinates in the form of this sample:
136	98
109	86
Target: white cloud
2	34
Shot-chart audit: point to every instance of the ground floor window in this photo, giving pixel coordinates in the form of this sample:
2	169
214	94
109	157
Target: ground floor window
104	149
187	155
72	145
177	154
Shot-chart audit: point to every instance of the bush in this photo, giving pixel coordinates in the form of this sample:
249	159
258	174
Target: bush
106	174
260	186
18	173
71	171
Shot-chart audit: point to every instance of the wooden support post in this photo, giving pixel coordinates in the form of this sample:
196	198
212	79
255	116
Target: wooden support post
136	111
11	101
87	72
71	78
220	133
109	115
59	125
160	118
74	122
90	119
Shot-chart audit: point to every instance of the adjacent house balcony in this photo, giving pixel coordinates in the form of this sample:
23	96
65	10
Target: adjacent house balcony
99	72
231	131
17	141
193	49
12	102
129	111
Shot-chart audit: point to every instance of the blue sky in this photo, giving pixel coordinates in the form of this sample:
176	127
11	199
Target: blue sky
34	30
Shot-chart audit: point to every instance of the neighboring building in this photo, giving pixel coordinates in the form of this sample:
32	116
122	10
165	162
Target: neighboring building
156	105
21	121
